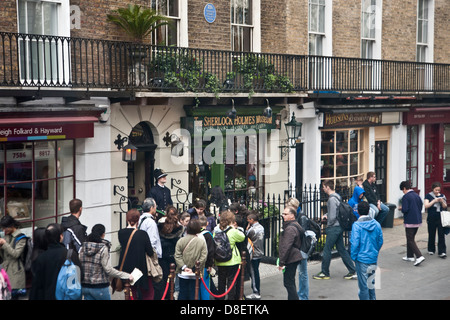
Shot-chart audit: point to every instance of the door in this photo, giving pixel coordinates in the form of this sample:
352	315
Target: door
299	169
433	156
381	157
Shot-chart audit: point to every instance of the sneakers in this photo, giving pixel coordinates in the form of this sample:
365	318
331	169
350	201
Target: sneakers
408	259
253	296
442	255
321	276
419	260
350	276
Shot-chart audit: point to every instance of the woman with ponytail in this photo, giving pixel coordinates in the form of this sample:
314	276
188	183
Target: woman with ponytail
96	266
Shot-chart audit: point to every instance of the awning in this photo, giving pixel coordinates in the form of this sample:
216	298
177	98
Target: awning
47	122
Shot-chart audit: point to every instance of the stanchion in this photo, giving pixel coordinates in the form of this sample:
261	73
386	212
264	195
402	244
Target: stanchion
197	277
172	279
243	263
127	290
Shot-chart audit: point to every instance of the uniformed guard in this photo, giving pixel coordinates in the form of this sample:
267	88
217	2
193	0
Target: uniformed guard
159	191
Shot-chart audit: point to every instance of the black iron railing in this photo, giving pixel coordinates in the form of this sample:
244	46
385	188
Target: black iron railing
49	61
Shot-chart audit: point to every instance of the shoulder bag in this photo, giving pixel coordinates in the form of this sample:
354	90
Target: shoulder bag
153	268
116	283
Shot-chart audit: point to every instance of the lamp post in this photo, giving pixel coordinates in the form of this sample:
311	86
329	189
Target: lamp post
293	131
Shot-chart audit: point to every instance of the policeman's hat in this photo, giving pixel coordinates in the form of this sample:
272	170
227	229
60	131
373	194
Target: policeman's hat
159	173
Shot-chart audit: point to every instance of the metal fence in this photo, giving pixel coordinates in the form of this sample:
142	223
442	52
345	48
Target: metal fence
28	60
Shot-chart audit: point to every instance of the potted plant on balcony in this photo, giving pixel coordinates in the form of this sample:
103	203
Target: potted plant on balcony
138	23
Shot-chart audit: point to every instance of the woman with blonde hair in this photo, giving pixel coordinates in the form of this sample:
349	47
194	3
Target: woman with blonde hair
228	269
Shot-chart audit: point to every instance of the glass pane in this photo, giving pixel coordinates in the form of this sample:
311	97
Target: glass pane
327	163
354	140
354	164
34	17
50	18
44	156
341	141
64	164
341	165
447	172
321	22
44	223
19	162
19	198
173	8
65	194
327	142
313	18
341	183
312	44
44	203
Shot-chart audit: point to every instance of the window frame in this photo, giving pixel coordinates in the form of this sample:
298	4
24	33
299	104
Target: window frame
238	27
410	154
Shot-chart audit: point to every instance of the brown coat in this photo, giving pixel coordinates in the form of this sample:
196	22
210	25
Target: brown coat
290	243
12	262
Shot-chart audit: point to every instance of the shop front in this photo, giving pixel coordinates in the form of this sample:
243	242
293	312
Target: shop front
231	150
433	124
37	161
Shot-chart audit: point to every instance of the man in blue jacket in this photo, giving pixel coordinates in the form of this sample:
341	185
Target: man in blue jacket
366	241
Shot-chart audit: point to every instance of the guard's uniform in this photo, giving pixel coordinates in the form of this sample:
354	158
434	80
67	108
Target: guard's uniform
162	196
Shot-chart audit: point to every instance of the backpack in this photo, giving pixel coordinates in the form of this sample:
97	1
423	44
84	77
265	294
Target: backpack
310	236
345	216
68	283
222	252
27	251
5	285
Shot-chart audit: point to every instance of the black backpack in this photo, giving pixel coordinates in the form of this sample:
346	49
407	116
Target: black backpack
310	236
345	216
222	250
27	251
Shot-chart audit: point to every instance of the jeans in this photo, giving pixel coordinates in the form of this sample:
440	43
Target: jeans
187	289
433	224
289	280
380	215
303	281
254	274
96	293
335	236
366	286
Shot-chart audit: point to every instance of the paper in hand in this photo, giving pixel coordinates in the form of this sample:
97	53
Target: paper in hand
136	273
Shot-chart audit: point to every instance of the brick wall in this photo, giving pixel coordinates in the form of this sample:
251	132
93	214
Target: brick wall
347	28
442	31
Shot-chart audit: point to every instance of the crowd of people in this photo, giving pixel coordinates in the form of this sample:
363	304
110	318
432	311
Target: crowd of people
185	238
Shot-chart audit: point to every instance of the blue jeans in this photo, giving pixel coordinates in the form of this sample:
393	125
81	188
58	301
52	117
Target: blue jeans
96	293
335	236
366	285
380	215
254	274
303	281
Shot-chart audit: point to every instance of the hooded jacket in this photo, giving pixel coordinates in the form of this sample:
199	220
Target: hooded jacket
96	267
355	199
366	240
290	243
78	235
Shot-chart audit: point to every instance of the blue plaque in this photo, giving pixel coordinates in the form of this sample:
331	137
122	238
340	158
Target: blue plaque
210	13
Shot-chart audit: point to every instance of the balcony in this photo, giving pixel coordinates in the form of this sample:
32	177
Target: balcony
72	67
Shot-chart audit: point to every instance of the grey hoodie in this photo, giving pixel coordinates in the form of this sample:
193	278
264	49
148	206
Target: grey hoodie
332	204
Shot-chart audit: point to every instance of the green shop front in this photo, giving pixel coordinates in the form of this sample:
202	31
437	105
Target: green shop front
229	148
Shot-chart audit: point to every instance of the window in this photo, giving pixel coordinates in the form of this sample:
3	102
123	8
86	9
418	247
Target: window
422	30
167	35
446	153
342	156
316	26
38	56
241	25
36	181
368	28
412	155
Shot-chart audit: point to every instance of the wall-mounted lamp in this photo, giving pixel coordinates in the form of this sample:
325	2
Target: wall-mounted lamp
176	144
129	152
268	110
232	113
294	131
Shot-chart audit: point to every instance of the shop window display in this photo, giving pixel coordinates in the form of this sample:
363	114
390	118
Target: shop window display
36	180
341	156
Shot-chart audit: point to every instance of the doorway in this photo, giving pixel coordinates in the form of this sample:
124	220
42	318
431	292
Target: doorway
433	156
381	157
140	173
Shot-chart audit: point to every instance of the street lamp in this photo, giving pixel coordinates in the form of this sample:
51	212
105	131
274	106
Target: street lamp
294	131
129	152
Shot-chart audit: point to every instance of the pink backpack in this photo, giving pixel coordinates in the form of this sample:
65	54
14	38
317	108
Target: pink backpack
5	285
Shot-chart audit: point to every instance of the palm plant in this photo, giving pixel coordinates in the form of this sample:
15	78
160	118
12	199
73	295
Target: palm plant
136	21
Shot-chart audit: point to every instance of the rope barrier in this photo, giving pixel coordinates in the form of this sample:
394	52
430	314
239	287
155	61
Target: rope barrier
165	290
229	289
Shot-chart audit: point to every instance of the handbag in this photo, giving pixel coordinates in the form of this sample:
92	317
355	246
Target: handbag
445	219
154	269
117	283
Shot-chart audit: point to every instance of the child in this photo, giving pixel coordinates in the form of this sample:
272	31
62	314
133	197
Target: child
255	234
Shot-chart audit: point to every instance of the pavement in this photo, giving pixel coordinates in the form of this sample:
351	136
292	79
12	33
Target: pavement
395	280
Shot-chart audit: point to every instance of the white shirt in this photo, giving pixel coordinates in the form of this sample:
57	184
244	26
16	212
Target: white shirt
149	226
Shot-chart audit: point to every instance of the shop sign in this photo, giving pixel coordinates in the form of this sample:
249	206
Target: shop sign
426	117
240	122
349	120
54	131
